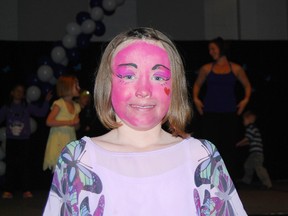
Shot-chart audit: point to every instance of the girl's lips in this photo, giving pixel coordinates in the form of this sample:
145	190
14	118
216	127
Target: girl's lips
135	106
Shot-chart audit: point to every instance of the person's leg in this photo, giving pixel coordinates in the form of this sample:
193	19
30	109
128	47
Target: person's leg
248	170
261	171
25	171
228	135
11	172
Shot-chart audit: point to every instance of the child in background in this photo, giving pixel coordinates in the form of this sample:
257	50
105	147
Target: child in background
138	168
63	118
18	130
87	114
254	162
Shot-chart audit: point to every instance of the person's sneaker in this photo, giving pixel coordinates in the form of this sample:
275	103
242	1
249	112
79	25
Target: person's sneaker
7	195
27	195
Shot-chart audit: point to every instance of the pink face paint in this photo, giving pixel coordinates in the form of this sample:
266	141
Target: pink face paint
141	85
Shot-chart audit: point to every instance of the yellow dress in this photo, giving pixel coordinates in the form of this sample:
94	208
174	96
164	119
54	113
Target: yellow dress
61	135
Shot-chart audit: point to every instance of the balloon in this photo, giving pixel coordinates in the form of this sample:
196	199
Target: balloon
45	73
53	81
83	40
73	28
109	13
2	168
59	70
82	16
88	26
97	13
65	61
58	54
73	55
120	2
2	134
99	29
69	41
33	93
33	125
95	3
109	5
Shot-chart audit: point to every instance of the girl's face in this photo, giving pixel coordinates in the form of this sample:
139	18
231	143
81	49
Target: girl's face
141	83
76	89
214	51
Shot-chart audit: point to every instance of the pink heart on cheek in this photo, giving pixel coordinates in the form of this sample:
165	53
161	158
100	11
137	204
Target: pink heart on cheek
167	91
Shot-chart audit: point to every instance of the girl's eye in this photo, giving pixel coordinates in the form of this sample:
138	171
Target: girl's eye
126	76
158	78
129	77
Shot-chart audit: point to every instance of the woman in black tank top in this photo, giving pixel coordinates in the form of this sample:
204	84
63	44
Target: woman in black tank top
218	109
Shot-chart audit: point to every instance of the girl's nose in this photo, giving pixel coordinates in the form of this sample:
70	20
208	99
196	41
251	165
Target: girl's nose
144	89
143	93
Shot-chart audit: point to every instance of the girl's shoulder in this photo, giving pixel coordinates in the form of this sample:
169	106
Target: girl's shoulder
59	101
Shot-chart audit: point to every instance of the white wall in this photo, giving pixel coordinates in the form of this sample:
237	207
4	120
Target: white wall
46	20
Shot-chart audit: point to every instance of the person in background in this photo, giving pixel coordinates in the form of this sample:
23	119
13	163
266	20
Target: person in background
17	114
255	160
62	119
86	115
138	168
218	103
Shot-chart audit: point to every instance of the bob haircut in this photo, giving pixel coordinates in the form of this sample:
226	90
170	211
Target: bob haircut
179	113
65	85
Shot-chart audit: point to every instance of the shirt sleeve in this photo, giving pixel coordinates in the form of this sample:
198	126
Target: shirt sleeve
72	183
215	193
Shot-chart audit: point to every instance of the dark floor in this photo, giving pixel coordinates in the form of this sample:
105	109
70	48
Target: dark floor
257	202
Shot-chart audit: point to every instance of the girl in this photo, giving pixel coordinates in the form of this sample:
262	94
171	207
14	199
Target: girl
63	118
138	168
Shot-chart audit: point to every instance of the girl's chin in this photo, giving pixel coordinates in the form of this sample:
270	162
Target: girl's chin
142	126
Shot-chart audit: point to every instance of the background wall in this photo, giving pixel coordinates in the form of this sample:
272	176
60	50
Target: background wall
45	20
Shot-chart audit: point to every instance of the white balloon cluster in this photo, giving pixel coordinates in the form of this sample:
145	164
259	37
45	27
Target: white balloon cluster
88	25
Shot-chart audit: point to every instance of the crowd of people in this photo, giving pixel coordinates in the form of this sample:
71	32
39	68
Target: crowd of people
144	105
63	121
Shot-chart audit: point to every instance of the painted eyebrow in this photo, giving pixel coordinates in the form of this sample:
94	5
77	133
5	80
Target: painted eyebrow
159	65
128	64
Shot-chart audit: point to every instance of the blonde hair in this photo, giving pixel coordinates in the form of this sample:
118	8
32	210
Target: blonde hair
65	84
179	113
